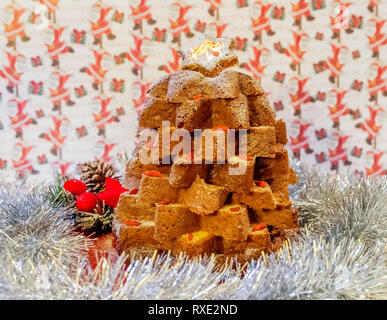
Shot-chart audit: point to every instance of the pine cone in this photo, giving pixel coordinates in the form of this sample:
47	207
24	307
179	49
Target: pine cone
94	173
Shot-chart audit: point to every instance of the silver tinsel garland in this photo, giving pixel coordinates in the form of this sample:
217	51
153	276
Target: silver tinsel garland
339	254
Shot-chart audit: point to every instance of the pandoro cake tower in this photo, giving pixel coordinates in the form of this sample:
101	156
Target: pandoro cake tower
200	208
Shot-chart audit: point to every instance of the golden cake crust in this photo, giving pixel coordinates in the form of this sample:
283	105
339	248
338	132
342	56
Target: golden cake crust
174	220
230	222
206	206
203	198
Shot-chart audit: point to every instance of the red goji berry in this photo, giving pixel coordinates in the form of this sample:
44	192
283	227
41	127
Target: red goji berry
152	173
132	223
260	226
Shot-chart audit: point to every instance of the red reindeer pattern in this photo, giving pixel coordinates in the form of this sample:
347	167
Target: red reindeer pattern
15	28
140	13
60	93
54	136
135	55
339	109
301	141
262	23
101	26
23	164
376	168
180	25
378	39
57	47
378	84
339	153
96	71
369	125
103	117
21	119
9	72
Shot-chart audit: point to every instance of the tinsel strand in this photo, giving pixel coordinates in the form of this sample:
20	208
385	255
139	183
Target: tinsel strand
337	255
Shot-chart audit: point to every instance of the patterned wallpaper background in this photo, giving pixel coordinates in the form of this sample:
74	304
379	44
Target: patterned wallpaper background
73	74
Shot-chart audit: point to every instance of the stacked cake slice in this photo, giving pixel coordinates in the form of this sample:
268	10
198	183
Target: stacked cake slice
232	204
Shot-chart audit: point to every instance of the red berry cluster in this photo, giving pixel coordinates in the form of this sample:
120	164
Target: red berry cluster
87	201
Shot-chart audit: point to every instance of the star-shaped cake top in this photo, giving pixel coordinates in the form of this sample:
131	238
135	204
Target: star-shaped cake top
210	57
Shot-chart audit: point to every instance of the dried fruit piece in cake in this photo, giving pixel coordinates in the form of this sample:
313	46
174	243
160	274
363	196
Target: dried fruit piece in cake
159	88
230	222
197	243
248	85
129	207
260	197
221	52
260	142
232	113
134	233
280	218
135	167
154	188
203	198
173	220
156	111
280	132
183	174
260	112
237	175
